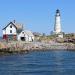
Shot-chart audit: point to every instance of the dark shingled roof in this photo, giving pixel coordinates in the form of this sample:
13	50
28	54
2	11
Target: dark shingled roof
18	26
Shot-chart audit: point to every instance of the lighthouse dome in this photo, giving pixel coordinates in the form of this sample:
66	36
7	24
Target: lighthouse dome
57	11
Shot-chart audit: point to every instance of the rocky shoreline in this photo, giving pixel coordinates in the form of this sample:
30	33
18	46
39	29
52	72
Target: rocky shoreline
25	47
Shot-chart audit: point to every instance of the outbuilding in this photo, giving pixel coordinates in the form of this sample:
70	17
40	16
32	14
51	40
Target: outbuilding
26	35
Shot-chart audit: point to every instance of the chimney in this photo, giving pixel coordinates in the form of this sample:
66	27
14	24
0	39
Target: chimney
14	21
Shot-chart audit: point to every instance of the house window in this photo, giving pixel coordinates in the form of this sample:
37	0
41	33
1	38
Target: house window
10	26
10	31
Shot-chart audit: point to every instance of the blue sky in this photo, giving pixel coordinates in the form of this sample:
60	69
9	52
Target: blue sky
38	15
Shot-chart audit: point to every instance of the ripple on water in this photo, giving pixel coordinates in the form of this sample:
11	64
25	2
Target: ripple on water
39	63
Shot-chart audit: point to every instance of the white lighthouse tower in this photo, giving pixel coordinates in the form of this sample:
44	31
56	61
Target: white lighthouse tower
57	26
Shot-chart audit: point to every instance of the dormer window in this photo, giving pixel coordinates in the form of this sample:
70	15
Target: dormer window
10	26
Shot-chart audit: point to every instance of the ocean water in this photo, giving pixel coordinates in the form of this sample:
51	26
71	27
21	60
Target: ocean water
39	63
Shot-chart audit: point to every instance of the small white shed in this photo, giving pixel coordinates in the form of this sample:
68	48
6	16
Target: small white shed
26	35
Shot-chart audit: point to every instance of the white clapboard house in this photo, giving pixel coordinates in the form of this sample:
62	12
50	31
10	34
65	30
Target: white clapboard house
14	31
11	30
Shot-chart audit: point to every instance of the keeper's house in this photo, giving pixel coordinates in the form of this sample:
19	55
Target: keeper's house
11	30
14	31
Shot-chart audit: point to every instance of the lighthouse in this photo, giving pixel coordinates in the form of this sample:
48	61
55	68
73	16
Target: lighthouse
57	25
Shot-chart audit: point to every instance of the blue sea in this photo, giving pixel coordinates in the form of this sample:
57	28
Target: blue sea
58	62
